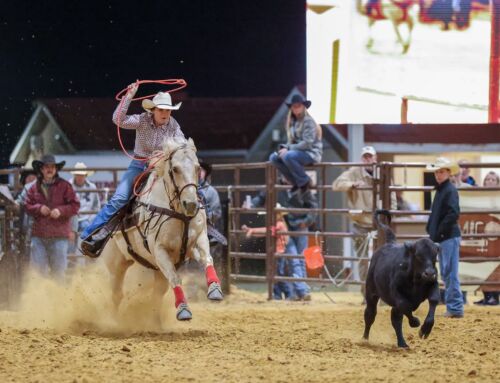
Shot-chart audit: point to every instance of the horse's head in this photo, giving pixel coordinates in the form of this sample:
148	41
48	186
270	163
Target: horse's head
179	170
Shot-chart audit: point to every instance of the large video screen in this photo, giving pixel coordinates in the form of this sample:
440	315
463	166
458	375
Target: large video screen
365	57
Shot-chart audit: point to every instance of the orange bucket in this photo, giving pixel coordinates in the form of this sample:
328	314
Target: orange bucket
314	261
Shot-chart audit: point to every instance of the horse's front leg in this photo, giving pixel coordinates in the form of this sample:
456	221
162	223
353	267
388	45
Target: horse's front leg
117	266
201	253
410	30
166	266
369	42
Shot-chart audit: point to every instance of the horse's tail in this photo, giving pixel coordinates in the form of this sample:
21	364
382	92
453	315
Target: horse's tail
390	237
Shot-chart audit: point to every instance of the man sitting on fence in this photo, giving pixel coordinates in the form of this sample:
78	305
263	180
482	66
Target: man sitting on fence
51	201
349	181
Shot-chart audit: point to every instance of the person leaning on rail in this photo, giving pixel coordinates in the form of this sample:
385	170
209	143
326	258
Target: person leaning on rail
350	181
152	128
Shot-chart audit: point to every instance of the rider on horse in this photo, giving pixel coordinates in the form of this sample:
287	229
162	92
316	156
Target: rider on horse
152	128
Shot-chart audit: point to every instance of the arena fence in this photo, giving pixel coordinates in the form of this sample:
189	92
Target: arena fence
382	188
14	250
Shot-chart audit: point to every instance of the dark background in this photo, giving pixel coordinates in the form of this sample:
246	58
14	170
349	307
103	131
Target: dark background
56	48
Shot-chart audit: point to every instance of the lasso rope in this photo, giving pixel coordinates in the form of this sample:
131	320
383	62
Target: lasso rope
177	84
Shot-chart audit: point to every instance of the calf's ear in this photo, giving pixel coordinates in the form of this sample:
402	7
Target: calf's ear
409	248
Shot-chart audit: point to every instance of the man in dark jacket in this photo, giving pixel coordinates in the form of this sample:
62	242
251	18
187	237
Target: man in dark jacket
443	228
51	201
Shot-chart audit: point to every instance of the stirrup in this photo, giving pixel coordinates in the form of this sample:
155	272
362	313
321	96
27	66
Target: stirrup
93	245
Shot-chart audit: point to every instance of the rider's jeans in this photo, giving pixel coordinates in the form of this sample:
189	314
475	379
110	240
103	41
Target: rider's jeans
119	199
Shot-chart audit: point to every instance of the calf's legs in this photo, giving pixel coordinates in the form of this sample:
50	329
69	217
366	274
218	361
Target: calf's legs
370	313
397	324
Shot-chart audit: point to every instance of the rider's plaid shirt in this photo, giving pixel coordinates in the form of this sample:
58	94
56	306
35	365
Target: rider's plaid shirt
148	137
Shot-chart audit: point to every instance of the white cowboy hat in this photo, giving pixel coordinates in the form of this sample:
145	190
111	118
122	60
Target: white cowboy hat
162	100
81	170
444	163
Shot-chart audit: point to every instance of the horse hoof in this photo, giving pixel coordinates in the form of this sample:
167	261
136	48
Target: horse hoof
183	312
214	292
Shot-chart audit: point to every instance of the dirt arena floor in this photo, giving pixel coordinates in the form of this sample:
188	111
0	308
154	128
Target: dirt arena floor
65	336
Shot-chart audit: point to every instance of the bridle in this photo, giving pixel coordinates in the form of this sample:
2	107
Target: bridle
177	191
160	212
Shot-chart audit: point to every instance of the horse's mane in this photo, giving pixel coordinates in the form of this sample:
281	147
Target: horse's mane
173	143
170	145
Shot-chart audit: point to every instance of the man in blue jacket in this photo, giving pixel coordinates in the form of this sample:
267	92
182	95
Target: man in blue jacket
443	228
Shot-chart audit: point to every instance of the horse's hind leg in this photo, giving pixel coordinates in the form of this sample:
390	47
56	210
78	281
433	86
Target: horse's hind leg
168	269
395	26
160	287
201	253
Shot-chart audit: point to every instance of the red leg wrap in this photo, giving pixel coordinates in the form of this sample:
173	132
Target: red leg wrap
211	275
179	296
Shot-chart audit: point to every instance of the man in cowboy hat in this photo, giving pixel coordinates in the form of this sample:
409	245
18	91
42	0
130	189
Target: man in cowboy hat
152	128
89	200
51	201
443	228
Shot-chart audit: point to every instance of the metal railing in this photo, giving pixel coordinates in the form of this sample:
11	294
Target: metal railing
381	189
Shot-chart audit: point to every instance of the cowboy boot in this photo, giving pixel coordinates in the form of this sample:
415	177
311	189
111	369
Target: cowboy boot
93	245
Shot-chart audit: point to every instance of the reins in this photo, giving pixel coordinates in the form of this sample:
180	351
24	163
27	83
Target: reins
157	211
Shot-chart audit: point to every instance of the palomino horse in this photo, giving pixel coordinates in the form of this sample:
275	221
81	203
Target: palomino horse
396	11
170	228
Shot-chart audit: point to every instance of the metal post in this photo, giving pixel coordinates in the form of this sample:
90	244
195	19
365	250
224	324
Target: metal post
376	195
385	193
115	178
270	222
226	250
494	108
323	198
404	110
237	203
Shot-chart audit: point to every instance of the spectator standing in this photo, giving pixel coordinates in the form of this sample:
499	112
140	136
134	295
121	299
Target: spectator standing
51	201
209	194
443	228
491	297
89	200
27	178
465	176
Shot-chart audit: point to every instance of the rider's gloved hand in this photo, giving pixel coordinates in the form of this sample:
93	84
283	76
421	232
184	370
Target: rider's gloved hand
132	89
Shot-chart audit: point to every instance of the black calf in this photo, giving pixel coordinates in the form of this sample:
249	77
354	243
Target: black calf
403	276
